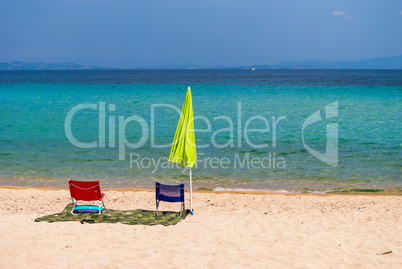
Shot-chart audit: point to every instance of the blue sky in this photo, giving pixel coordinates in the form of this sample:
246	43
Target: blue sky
149	33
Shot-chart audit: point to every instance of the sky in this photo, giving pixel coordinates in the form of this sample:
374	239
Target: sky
158	33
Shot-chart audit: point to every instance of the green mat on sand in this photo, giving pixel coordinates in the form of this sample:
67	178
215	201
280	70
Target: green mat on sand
132	217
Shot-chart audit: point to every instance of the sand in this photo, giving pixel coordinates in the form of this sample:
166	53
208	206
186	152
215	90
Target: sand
228	230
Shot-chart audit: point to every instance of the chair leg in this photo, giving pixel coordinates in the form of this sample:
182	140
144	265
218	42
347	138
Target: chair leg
104	206
181	208
72	210
100	206
157	207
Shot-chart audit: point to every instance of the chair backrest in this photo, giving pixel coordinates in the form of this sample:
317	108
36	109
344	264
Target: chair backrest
169	193
85	190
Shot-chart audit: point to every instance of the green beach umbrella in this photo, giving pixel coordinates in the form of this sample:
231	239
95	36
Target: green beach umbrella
183	151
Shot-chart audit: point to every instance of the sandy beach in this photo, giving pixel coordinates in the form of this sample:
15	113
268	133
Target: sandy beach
228	230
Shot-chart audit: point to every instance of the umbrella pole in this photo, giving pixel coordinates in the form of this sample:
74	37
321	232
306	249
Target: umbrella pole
191	194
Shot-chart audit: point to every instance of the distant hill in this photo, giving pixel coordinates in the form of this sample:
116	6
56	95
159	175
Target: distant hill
19	65
376	63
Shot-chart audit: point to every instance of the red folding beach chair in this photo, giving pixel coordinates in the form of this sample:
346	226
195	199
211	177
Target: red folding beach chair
86	191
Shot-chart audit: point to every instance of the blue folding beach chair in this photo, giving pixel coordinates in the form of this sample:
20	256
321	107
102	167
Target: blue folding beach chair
168	193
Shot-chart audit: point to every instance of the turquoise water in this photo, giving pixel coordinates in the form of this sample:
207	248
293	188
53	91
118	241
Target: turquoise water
35	150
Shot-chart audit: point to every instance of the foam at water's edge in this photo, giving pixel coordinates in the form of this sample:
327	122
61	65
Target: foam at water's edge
302	190
252	190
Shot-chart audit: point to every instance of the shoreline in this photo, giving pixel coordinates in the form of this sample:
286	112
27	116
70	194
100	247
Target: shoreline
397	191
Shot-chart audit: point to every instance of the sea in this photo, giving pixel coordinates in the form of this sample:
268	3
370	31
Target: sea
262	130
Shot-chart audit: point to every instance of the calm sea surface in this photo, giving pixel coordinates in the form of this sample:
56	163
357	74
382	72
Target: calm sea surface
266	129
